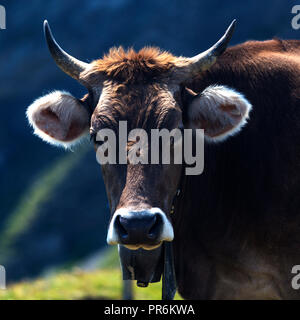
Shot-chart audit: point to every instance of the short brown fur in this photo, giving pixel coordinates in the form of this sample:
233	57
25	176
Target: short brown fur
131	66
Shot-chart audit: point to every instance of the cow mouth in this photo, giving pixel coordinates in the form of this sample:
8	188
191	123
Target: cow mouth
142	246
143	265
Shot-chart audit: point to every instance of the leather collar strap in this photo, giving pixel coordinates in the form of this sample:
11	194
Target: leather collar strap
169	278
169	285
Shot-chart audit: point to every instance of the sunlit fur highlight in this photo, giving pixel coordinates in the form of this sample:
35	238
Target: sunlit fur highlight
131	66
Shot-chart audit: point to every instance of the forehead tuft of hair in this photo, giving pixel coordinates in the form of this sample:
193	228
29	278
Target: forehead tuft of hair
131	66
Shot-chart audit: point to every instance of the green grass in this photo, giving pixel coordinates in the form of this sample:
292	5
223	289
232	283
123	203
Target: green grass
100	284
104	283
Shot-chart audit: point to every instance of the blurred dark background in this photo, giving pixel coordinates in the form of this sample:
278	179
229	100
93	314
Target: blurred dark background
53	207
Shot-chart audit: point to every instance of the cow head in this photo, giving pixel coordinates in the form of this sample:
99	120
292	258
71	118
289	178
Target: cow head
146	90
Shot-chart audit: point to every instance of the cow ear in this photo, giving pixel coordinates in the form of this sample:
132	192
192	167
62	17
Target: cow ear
59	118
219	110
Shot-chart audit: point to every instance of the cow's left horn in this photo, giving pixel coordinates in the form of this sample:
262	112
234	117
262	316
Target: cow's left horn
70	65
203	61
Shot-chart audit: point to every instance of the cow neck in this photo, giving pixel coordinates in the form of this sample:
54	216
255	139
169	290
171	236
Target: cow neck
169	285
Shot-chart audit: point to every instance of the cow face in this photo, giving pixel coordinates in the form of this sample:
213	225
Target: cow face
138	194
146	90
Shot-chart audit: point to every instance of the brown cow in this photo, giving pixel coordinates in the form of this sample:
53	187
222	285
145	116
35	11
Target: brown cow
236	226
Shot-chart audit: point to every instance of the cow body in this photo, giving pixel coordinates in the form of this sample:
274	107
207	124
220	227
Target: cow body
237	224
235	228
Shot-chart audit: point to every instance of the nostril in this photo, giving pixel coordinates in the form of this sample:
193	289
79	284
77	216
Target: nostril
156	227
123	234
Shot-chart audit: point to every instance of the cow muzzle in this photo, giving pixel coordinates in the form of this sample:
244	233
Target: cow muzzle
144	229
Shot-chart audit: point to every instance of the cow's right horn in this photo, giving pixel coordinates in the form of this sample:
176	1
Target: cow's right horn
70	65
